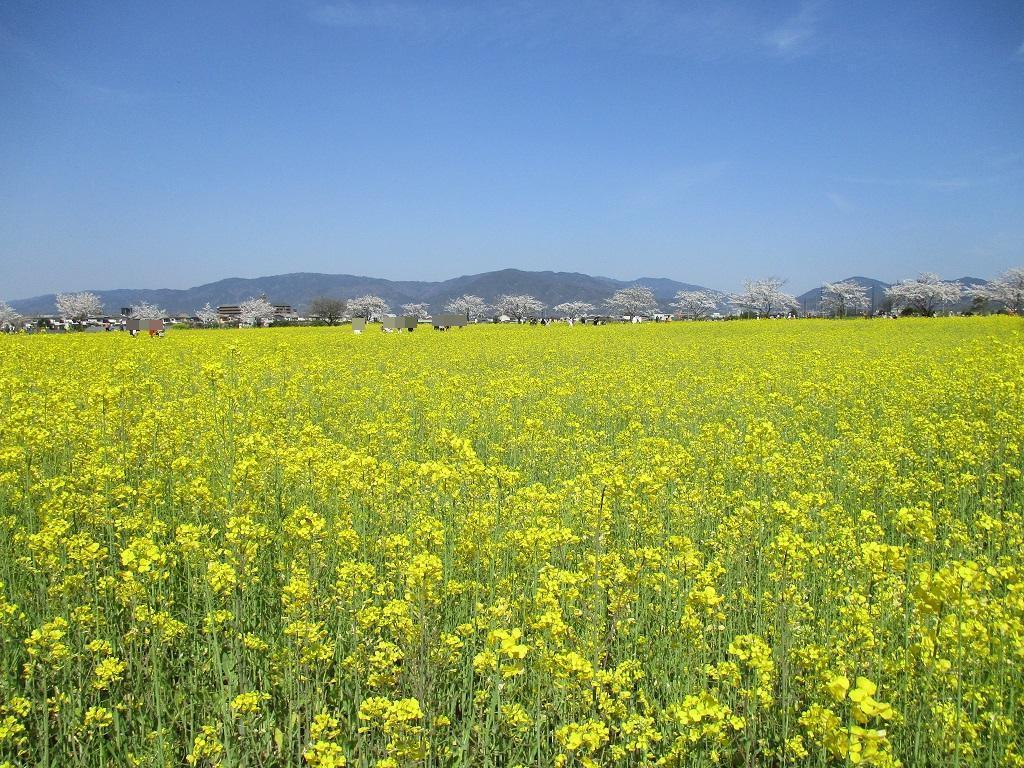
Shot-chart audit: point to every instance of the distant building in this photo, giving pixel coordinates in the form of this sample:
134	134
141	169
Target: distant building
229	313
232	313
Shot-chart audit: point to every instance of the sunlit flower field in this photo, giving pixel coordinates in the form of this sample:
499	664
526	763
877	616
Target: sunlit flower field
756	543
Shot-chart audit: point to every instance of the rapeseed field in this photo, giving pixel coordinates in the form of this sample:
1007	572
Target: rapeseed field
756	543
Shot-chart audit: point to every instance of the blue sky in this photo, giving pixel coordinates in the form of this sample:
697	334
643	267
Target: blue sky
171	144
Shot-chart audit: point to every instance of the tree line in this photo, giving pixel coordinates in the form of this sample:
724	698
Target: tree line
925	295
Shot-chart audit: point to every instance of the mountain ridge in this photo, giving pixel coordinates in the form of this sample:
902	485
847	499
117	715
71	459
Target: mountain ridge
810	301
299	288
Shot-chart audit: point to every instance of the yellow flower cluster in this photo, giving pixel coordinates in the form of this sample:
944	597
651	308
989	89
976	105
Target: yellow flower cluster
743	543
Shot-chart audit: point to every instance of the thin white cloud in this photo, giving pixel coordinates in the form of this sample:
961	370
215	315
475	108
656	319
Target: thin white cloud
1001	158
938	183
705	30
796	34
400	16
62	76
841	202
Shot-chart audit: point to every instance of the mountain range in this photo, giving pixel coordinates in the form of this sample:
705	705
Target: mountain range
299	288
810	301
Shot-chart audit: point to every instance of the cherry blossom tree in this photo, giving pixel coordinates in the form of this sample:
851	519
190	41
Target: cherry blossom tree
419	310
574	310
8	315
256	311
764	298
695	304
1007	289
208	315
78	306
840	299
519	308
473	307
146	311
633	301
369	306
925	295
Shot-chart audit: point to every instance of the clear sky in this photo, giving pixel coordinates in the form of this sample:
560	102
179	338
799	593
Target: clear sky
167	144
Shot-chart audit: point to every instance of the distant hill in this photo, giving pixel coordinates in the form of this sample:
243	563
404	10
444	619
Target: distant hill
811	300
971	282
299	288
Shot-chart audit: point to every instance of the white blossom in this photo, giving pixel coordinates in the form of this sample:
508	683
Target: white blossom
208	315
574	310
255	311
519	308
764	298
926	294
419	310
370	307
1007	289
840	299
8	315
78	306
473	307
695	304
633	301
146	311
